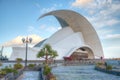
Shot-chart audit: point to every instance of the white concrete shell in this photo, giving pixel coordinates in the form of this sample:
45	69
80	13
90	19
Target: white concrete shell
78	23
20	52
65	42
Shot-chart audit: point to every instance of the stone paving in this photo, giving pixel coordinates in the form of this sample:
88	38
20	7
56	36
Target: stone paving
81	73
29	75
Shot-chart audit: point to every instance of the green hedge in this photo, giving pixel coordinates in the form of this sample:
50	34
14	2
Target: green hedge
31	65
2	72
99	64
19	60
18	66
108	67
7	70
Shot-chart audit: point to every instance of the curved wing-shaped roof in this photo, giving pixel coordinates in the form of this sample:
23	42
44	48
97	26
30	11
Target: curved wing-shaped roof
79	24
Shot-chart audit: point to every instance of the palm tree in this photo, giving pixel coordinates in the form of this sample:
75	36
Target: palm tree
47	53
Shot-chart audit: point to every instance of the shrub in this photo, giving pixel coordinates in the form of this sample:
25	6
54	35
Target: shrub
47	70
0	63
19	60
31	65
99	64
109	67
15	71
18	66
8	70
2	72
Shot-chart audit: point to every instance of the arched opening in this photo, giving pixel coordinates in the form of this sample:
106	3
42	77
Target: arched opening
82	53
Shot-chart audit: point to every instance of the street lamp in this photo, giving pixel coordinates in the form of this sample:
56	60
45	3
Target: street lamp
27	40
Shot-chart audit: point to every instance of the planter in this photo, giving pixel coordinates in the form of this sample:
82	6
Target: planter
50	76
114	72
12	76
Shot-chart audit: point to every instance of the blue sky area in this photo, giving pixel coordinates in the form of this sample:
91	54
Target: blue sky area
19	17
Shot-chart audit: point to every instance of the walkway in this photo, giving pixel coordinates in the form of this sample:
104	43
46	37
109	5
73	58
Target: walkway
85	72
29	75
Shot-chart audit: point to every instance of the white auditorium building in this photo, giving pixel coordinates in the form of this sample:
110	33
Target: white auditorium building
77	37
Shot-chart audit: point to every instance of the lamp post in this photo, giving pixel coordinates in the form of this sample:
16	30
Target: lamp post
27	40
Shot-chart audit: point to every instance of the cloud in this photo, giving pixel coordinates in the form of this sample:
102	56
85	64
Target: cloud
112	22
100	13
112	36
52	8
112	51
79	3
30	28
107	34
103	32
104	16
113	48
45	10
42	27
58	5
110	10
91	4
37	5
18	40
101	22
33	30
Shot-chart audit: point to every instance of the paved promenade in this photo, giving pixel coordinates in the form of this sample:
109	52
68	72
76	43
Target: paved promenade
83	72
29	75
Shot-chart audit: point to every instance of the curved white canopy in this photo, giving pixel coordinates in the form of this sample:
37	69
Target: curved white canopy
79	24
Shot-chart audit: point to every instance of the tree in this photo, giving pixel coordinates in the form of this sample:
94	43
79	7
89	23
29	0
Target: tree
47	53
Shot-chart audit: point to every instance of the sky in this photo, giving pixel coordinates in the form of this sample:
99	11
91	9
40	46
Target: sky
20	18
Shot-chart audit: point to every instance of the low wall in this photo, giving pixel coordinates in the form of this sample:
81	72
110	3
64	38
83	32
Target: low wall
42	77
114	72
12	76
